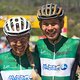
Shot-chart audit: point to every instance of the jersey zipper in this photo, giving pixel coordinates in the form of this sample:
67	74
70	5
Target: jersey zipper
54	52
53	78
20	63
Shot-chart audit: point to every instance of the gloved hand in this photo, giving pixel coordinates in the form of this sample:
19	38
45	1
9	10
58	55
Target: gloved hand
35	75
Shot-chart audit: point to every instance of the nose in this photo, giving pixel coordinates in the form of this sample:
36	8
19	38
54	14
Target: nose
50	28
18	43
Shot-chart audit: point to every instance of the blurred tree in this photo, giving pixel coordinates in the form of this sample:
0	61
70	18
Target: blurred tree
71	8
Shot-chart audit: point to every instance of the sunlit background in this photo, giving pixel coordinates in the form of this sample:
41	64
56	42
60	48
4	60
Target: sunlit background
28	9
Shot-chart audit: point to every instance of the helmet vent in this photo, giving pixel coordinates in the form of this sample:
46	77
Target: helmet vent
17	27
12	26
7	27
26	25
16	20
10	20
22	24
48	11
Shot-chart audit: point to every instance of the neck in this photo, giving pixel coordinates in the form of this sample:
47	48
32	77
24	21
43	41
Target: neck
56	40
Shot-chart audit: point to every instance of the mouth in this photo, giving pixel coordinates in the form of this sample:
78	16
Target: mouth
20	52
20	48
54	31
51	32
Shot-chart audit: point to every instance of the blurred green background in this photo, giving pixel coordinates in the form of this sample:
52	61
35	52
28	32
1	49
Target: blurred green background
29	7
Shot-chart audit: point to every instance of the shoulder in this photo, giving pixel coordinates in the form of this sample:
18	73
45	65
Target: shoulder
40	41
39	44
4	54
74	40
4	57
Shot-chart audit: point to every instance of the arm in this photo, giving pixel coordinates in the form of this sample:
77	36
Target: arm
78	55
37	60
75	64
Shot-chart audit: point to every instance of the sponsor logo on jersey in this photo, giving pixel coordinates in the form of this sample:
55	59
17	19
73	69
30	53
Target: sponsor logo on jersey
17	74
19	77
55	67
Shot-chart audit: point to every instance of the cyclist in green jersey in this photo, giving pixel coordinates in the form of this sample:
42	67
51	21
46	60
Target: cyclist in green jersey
59	55
18	63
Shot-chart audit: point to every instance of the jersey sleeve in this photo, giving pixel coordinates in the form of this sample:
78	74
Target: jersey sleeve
78	55
37	60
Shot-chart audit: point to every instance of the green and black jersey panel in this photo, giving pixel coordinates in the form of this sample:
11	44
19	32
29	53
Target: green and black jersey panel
14	68
65	50
8	61
50	47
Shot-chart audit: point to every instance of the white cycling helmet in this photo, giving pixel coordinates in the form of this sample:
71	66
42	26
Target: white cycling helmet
17	26
50	11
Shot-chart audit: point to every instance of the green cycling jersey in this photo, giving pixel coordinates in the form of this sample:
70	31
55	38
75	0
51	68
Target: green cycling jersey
58	61
14	68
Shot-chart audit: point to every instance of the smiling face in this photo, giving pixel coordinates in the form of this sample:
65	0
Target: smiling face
51	28
19	44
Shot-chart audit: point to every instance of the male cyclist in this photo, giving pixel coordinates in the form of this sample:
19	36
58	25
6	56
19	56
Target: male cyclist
59	55
18	63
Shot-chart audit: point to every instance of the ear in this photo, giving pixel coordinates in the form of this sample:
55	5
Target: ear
62	23
7	37
40	24
28	35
